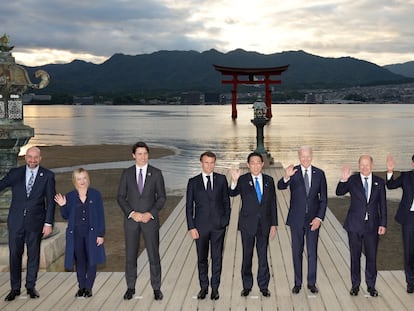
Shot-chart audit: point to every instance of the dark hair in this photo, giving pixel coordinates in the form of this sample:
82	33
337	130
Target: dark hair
139	144
412	159
209	154
254	154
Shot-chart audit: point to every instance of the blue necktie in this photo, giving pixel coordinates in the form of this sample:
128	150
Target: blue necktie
366	187
140	181
258	191
30	184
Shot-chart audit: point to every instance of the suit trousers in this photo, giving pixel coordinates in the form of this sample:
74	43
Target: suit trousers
85	273
408	244
298	235
213	239
370	242
248	242
16	249
133	232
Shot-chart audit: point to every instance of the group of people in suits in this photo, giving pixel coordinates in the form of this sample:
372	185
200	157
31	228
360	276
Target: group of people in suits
141	196
365	222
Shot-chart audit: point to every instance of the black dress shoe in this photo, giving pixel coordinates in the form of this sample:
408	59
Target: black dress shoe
245	292
202	293
214	294
12	295
80	292
88	292
33	293
372	291
354	291
129	294
313	289
296	289
158	294
265	292
410	288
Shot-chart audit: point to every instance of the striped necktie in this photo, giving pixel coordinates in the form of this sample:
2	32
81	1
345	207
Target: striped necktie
30	184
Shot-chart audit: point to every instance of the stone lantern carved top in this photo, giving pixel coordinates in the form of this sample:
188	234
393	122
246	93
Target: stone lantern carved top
4	44
259	108
14	81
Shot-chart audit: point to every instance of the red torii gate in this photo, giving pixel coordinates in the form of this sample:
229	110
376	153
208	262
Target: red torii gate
251	73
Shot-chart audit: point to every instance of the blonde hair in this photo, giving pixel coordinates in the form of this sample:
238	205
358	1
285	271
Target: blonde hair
77	172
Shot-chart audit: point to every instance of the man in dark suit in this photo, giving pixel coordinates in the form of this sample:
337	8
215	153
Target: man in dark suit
405	216
257	220
31	216
308	201
208	214
365	221
141	195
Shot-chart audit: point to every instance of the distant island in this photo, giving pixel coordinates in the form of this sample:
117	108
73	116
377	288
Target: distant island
188	77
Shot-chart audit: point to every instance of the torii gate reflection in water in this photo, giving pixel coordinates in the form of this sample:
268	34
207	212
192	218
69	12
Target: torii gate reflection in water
251	73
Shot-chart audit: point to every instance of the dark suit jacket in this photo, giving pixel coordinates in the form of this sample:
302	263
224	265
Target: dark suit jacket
96	254
39	206
376	207
406	182
251	210
316	201
153	195
207	211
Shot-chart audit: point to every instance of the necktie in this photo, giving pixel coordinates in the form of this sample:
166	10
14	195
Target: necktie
209	188
366	187
140	181
306	180
30	184
258	191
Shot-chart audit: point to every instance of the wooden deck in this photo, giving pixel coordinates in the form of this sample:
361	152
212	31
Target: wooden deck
180	279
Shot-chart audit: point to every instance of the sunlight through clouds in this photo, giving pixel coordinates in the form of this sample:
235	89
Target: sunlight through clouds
57	31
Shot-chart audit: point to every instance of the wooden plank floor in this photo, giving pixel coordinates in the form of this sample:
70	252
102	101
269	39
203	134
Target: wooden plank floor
180	276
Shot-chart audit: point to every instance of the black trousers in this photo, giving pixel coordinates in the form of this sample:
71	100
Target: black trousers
248	243
213	239
408	244
17	239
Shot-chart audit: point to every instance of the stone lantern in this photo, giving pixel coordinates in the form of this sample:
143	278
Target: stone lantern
14	81
260	120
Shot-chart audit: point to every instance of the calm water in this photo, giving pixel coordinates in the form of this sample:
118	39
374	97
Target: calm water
339	134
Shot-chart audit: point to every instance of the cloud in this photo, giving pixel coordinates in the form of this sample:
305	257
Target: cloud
61	30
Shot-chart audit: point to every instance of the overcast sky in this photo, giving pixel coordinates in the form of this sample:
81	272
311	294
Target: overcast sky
58	31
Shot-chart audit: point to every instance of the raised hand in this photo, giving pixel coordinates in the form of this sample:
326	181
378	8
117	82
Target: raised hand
290	171
346	173
390	164
60	199
235	174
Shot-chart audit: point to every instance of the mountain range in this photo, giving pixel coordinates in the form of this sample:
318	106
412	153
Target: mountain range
404	69
172	72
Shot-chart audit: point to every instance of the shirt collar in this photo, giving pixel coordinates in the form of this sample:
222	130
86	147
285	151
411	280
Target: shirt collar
205	174
29	170
309	168
363	177
258	176
144	168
